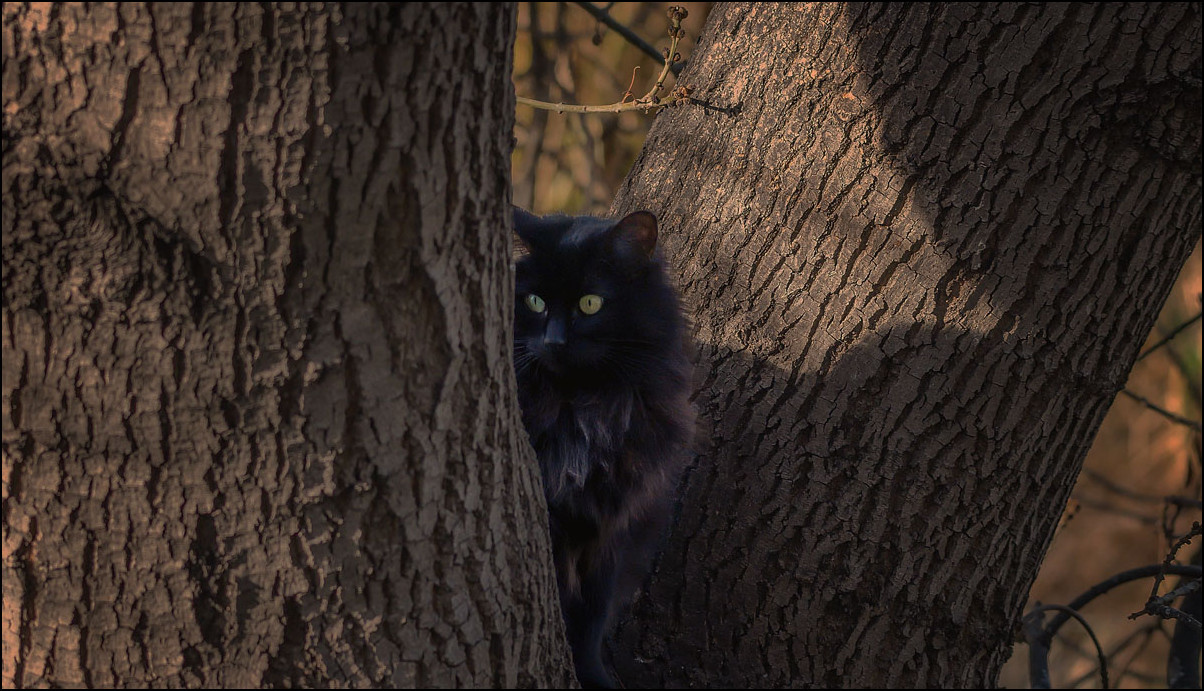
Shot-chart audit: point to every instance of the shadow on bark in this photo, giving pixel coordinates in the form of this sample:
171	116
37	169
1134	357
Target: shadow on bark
921	264
762	537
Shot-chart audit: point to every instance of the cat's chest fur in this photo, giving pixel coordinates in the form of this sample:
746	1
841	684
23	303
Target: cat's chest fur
584	440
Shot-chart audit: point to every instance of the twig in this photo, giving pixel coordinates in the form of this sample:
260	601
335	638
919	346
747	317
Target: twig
633	38
1117	489
620	107
1194	531
1146	632
628	93
1159	605
1184	501
1190	377
1036	617
1111	486
1188	587
650	100
1120	578
1167	339
1168	612
1124	669
1173	417
1116	510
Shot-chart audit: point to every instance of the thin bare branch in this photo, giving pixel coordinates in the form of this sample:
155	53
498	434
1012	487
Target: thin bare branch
632	37
1160	606
1105	507
647	102
1144	634
1169	337
1067	611
1120	578
1111	486
1173	417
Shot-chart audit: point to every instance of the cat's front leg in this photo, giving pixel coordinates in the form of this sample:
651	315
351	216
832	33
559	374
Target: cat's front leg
587	623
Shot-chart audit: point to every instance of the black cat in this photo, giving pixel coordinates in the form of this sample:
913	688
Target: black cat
603	380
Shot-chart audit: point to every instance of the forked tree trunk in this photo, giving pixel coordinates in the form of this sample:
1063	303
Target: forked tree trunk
257	413
259	421
921	245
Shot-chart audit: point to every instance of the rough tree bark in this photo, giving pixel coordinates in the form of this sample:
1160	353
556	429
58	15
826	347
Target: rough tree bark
259	424
921	245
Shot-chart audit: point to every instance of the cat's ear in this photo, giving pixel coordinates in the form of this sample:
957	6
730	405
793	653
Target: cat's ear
527	226
638	230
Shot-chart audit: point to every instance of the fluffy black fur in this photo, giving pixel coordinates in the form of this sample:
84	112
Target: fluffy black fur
605	400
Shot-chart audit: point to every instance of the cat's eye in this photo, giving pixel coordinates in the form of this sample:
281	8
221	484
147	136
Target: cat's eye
589	304
534	303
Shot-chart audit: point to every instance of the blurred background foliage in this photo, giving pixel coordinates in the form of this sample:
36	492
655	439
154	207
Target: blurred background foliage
1117	518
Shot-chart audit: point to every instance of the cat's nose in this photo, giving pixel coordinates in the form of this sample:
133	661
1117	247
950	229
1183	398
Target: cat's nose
554	334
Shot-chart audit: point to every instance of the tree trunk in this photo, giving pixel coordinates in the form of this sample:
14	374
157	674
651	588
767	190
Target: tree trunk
259	421
921	245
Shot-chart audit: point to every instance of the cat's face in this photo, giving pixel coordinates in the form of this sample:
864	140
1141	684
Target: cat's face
590	301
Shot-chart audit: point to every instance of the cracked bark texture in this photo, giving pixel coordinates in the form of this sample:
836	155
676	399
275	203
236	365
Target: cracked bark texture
921	245
259	423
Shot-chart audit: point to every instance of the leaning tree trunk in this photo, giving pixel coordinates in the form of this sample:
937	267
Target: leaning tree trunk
922	245
259	421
